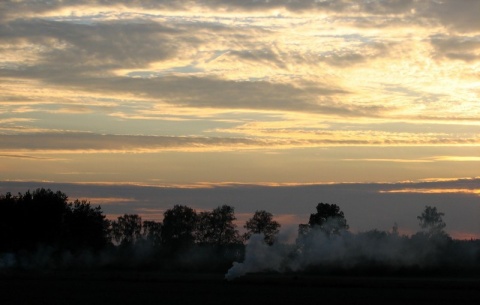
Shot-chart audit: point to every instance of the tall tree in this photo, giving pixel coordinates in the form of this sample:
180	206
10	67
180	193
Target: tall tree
329	219
44	217
262	223
179	225
32	219
87	226
152	232
217	227
127	229
9	222
431	222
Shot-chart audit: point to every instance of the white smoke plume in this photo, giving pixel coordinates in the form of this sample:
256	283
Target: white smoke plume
259	256
372	250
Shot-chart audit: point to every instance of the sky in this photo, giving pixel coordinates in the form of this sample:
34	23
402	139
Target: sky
278	105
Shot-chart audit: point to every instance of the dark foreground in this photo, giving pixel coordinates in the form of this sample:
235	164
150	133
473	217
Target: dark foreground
153	288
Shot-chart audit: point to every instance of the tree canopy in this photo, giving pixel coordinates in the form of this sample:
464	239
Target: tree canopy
152	232
328	218
431	222
44	217
262	223
42	227
127	229
179	224
217	227
87	226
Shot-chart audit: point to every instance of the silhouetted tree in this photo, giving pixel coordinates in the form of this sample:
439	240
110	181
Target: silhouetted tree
44	218
303	229
127	229
10	216
329	219
431	222
152	232
87	226
32	219
179	225
217	227
395	230
262	223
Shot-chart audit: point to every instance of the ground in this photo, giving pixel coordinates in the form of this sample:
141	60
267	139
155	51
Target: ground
154	288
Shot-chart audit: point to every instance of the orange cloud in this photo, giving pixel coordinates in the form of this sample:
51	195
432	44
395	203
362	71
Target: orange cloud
434	191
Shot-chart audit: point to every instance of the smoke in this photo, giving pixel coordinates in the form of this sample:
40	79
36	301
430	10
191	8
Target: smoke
372	251
50	258
259	256
7	260
316	252
138	256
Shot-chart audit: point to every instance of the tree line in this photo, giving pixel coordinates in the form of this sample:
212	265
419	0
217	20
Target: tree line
42	228
43	217
330	220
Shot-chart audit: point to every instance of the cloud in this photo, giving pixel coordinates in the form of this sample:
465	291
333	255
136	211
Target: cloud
391	160
366	205
74	109
166	52
20	144
425	160
225	129
314	134
76	142
27	157
14	120
289	78
466	48
435	191
83	47
457	158
457	14
260	55
110	200
204	91
86	56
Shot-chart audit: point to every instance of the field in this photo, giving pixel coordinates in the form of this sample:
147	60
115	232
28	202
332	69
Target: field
153	288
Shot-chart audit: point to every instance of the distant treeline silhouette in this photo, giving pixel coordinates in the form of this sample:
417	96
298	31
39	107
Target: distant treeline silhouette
42	229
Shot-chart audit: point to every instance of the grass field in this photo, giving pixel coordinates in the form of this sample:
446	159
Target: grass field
154	288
